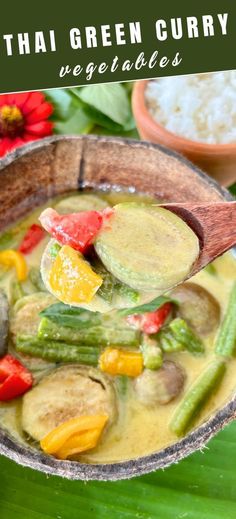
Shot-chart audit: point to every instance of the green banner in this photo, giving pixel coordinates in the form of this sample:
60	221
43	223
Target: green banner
52	44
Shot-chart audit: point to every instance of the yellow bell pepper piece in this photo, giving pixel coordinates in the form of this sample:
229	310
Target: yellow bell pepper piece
73	436
13	258
121	362
71	277
79	443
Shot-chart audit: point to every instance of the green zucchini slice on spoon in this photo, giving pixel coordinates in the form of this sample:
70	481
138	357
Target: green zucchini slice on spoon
147	247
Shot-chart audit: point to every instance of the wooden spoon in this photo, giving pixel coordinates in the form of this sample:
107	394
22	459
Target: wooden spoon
214	224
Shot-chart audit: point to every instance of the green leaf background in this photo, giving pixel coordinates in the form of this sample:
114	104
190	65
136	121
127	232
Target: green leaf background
200	487
101	109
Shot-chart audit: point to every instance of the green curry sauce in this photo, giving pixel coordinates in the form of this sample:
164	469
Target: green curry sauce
141	409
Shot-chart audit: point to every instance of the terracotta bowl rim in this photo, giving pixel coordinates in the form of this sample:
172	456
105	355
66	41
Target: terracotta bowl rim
195	440
144	118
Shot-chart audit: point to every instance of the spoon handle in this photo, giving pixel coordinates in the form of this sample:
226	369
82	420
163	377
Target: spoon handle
214	224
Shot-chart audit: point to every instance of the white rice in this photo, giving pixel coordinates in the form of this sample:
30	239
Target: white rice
200	107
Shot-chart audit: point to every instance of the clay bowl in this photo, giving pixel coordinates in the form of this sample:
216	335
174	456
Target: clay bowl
38	171
218	160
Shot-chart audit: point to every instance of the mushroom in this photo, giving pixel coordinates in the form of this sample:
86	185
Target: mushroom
67	392
26	318
198	307
25	321
160	386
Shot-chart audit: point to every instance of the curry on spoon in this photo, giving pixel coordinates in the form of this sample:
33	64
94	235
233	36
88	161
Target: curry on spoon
146	249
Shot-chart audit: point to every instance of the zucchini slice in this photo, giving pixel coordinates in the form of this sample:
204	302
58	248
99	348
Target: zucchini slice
147	247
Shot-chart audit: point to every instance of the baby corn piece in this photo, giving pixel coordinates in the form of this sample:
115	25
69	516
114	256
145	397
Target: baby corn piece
121	362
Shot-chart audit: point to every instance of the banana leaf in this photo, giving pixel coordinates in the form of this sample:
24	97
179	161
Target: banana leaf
201	486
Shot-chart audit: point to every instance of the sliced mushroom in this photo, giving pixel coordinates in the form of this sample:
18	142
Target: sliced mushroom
198	307
25	321
160	386
68	392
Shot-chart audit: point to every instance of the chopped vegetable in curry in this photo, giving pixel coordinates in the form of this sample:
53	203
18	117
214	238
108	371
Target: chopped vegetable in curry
101	359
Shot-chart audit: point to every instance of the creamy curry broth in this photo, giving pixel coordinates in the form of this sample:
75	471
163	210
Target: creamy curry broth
140	429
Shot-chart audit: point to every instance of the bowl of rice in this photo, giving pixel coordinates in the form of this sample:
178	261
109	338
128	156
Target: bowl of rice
194	115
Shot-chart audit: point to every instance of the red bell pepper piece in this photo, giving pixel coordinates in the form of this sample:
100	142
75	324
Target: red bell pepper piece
151	322
78	230
32	237
15	379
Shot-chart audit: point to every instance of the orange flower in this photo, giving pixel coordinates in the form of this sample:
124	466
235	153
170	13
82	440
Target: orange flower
23	118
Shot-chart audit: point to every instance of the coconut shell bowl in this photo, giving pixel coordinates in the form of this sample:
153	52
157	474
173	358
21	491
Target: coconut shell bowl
53	166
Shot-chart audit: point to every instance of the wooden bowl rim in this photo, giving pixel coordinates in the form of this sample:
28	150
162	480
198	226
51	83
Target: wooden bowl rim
17	153
29	457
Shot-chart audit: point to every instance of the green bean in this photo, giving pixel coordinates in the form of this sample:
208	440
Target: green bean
57	351
106	290
152	354
111	286
196	397
127	292
177	336
226	340
183	333
168	341
98	335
